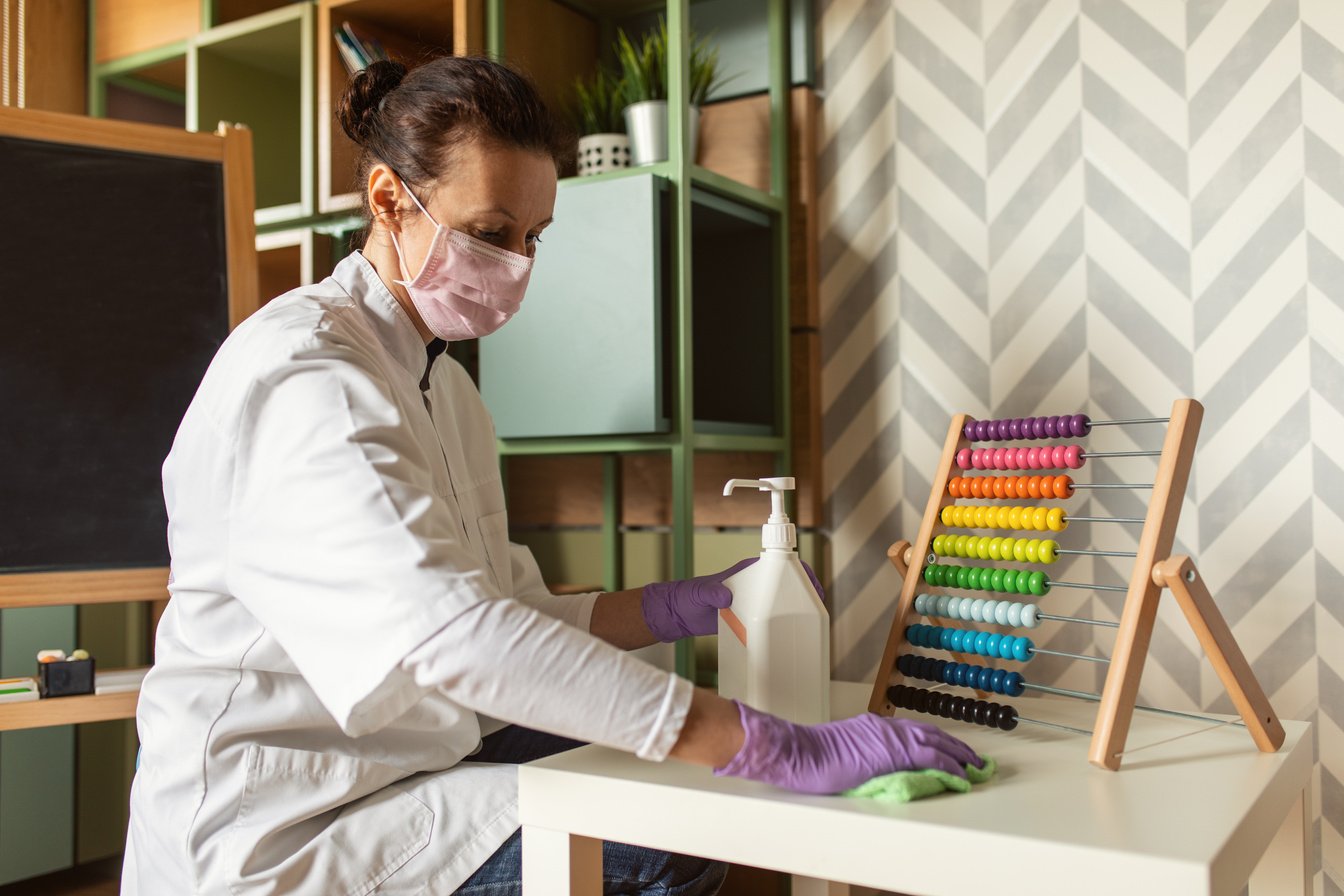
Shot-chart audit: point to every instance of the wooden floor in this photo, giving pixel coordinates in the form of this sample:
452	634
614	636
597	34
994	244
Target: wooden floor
96	879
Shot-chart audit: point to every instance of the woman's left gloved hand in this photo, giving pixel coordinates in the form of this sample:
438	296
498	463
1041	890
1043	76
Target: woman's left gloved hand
676	610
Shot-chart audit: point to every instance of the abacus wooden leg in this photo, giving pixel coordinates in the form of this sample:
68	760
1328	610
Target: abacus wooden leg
559	864
1187	586
1286	865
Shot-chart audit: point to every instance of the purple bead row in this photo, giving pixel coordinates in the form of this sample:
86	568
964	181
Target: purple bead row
1061	427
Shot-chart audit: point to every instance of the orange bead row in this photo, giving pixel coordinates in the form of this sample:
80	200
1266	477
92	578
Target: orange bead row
1015	487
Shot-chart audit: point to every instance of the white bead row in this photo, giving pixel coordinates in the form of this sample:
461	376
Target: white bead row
978	609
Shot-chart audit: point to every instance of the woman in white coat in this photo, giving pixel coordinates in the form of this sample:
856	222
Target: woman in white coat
349	623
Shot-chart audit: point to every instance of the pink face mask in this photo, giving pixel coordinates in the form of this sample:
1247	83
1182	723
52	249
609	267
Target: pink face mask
467	288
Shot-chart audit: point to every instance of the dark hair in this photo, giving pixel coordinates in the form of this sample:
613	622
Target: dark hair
414	121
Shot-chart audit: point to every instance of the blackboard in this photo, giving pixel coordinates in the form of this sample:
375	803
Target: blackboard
113	300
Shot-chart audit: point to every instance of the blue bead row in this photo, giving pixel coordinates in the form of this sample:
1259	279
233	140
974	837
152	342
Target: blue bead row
959	640
964	675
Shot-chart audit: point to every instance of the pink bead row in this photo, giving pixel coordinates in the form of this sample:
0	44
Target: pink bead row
1044	457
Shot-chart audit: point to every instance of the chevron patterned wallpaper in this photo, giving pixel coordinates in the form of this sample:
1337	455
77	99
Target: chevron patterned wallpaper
1050	206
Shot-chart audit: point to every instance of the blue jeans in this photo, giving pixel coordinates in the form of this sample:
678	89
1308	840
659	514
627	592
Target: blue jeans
625	869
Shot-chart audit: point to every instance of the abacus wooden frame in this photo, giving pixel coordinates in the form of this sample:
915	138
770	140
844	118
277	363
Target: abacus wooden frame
1154	569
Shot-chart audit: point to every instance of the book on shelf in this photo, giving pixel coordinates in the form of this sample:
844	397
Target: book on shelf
357	50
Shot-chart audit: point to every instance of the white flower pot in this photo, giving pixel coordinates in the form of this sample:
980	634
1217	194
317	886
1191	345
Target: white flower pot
600	153
646	123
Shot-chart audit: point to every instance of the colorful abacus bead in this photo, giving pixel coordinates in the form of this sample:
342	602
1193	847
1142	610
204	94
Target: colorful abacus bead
960	640
981	516
984	547
980	712
1064	426
1042	457
974	609
963	675
985	578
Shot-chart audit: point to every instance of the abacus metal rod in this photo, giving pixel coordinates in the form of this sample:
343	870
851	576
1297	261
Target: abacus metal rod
1056	725
1102	519
1129	422
1112	485
1097	553
1078	619
891	696
1157	710
1087	587
1121	454
1072	656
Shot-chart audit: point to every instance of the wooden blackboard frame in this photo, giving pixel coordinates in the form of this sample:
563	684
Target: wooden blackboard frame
231	147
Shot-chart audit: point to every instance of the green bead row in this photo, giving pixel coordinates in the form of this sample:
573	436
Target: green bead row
987	578
985	547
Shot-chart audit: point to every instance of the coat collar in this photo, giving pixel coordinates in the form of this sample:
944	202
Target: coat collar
390	321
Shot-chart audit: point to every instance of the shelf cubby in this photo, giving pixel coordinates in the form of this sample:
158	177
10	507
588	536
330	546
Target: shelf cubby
126	28
288	259
412	32
150	88
259	72
226	11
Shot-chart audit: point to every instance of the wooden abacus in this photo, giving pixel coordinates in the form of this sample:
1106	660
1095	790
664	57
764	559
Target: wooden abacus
1154	569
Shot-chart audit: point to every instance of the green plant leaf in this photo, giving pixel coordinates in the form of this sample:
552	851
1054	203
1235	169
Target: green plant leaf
643	66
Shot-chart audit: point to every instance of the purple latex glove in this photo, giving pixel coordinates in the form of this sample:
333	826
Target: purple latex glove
675	610
839	755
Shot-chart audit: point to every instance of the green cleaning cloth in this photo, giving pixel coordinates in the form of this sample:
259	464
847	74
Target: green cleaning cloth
902	787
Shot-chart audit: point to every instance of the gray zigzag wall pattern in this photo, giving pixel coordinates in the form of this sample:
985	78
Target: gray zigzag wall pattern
1050	206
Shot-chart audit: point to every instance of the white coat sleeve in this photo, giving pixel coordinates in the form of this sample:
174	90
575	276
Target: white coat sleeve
529	587
351	565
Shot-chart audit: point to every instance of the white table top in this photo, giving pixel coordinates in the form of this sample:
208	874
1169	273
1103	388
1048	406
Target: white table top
1192	814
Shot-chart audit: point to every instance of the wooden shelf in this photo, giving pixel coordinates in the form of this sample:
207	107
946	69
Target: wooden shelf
123	28
100	586
68	710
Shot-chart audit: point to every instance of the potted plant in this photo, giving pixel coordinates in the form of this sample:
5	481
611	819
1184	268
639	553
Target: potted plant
597	105
644	87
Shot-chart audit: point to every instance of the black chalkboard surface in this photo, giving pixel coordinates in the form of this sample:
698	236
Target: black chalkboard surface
113	300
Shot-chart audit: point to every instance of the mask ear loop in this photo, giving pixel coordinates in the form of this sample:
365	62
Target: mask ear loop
396	244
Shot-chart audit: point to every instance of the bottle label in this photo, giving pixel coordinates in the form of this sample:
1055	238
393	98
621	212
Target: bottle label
730	619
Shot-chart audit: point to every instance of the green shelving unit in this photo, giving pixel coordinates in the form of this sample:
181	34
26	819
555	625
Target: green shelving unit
689	188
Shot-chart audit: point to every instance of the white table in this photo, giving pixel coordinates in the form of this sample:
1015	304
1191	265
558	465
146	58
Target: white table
1203	813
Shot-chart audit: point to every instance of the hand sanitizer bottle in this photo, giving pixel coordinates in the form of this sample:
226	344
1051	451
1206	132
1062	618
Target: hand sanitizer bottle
775	640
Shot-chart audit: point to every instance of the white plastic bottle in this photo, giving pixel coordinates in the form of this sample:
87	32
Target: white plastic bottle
775	641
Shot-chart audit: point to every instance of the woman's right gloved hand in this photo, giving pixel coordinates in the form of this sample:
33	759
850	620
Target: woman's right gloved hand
839	755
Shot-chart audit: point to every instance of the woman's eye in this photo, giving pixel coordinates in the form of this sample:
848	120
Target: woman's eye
491	235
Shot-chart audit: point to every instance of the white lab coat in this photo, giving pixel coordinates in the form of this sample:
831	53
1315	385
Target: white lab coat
346	609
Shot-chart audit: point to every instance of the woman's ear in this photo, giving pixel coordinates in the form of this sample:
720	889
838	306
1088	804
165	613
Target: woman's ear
385	191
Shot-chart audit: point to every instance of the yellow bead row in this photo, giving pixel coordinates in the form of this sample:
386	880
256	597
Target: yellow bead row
984	547
985	517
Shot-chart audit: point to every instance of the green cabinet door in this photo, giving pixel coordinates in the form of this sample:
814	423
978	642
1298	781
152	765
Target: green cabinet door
583	357
37	766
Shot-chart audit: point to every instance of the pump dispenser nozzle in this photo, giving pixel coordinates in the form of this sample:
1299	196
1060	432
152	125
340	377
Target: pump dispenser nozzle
778	534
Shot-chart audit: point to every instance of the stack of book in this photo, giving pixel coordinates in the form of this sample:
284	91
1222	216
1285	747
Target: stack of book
357	51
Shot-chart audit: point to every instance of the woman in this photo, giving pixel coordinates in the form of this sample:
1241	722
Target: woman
349	622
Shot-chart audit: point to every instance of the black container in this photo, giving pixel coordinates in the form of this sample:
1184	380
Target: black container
65	678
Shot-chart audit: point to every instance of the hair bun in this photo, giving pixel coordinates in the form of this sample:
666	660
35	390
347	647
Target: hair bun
359	106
